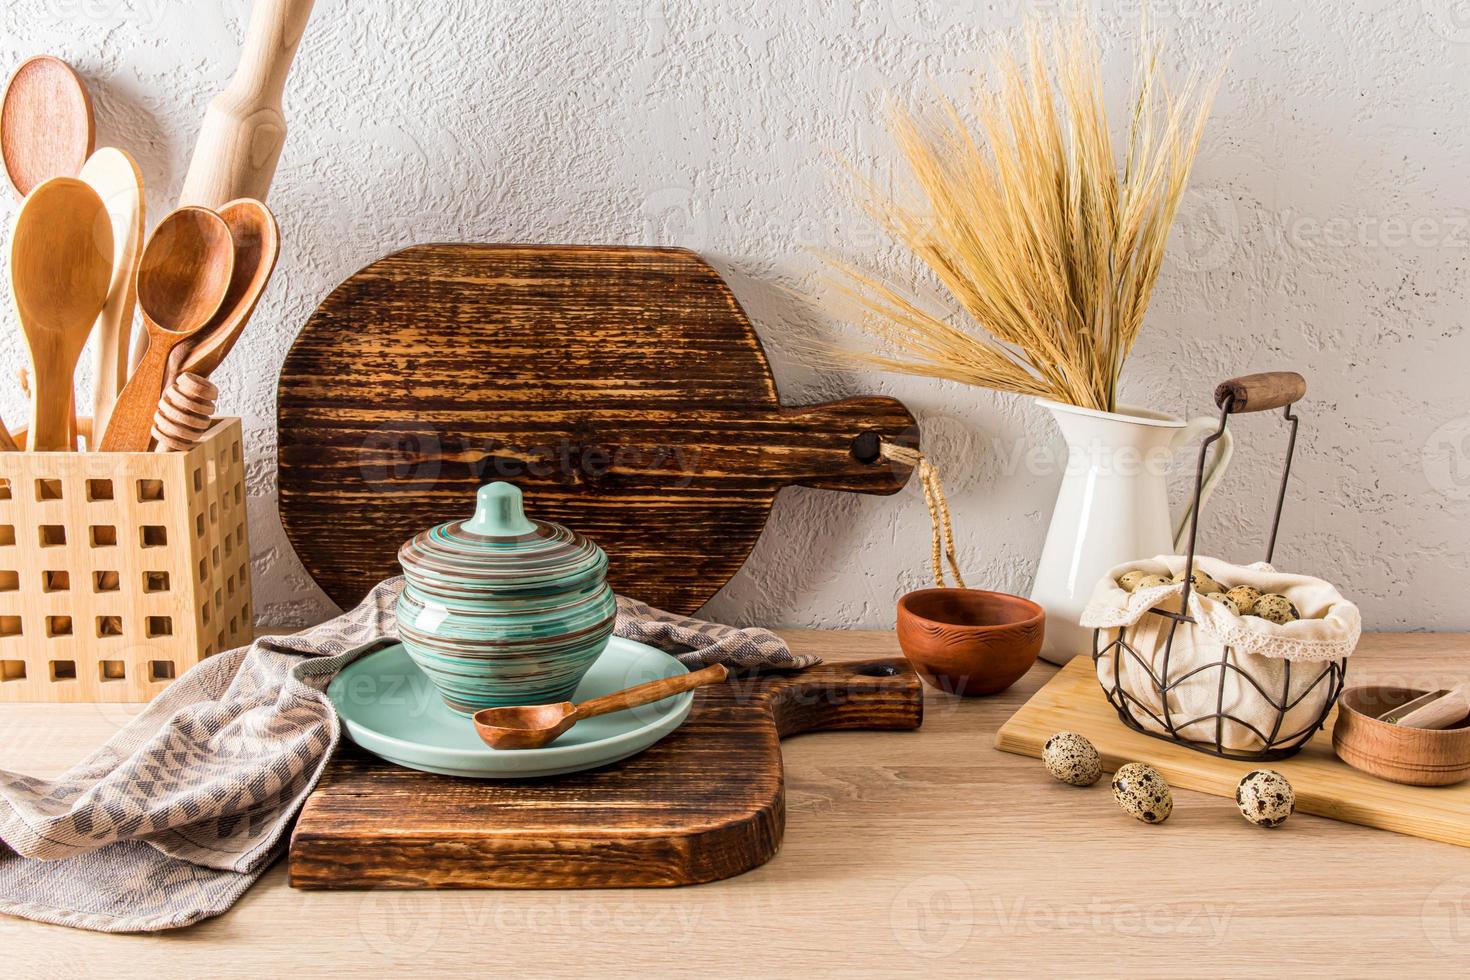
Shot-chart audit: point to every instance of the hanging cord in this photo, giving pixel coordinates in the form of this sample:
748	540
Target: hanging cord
943	536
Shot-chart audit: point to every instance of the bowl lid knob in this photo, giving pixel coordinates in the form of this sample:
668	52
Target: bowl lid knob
499	512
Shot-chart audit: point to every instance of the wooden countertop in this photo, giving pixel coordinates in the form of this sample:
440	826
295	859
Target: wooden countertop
917	853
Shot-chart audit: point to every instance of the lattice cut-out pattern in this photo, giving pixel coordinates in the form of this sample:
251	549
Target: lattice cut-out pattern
120	571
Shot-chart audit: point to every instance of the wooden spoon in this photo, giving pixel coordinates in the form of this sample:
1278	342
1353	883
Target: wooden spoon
257	245
535	725
60	272
1439	710
182	280
46	126
115	177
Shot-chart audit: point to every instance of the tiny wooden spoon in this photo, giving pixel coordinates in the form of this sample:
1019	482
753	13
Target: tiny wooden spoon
46	126
182	279
535	725
60	272
257	244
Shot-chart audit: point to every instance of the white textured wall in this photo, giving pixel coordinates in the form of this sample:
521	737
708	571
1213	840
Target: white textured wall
1327	231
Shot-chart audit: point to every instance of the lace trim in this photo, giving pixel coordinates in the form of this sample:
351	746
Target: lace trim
1332	637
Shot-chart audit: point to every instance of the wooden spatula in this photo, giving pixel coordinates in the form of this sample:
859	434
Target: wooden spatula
114	175
60	273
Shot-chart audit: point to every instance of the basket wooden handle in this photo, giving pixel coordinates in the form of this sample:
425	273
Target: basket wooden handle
1261	392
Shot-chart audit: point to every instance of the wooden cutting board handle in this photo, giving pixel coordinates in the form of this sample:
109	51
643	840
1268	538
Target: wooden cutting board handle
843	441
244	128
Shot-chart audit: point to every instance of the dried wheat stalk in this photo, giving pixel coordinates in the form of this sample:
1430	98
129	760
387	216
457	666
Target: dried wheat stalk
1049	244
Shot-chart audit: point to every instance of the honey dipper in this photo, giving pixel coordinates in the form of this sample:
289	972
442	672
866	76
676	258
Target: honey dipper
185	413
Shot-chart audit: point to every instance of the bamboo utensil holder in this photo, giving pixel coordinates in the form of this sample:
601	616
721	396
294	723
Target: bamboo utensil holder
120	571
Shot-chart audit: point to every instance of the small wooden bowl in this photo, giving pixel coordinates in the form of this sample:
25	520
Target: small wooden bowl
968	641
1413	756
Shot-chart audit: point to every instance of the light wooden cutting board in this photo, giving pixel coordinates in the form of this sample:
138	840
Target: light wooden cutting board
1073	701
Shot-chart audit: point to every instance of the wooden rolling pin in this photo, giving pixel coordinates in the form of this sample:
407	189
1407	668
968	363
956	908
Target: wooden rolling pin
244	128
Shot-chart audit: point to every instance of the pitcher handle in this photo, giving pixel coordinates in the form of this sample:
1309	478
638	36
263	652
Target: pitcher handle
1224	449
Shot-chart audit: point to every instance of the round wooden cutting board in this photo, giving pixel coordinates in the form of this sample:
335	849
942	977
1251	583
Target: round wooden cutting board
622	389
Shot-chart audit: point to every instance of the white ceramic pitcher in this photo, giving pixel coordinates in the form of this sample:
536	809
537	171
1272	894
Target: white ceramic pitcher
1113	507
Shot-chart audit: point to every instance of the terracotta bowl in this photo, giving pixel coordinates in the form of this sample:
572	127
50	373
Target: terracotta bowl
1414	756
967	641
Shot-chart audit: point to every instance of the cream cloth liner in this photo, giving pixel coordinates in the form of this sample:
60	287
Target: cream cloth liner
1328	631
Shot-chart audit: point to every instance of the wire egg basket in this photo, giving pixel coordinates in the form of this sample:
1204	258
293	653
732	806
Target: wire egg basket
1284	736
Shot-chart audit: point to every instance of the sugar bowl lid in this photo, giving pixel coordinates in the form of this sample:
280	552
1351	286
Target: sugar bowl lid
499	551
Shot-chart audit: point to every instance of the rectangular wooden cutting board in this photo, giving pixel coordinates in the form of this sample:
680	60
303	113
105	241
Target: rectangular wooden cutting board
708	802
1325	786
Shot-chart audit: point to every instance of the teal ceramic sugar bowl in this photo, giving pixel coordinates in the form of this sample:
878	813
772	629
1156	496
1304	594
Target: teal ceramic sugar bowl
499	609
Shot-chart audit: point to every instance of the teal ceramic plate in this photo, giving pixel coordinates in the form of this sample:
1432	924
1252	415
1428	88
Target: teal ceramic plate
388	707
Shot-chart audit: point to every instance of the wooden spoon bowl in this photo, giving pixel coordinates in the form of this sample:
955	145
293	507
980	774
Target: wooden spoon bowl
60	273
257	241
969	641
46	124
182	280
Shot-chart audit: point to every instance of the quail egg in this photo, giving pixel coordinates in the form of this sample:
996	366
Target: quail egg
1265	798
1142	793
1245	597
1151	582
1275	609
1224	600
1129	580
1072	759
1202	583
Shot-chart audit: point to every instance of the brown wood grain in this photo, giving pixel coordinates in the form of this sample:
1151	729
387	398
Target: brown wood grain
705	803
622	389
